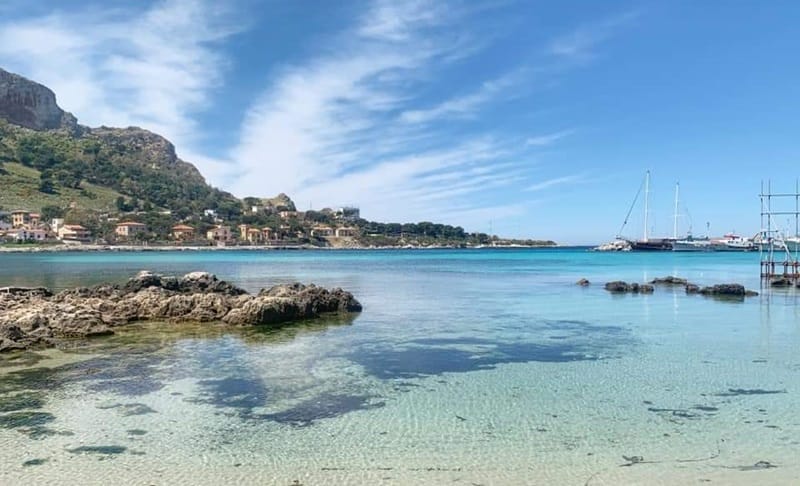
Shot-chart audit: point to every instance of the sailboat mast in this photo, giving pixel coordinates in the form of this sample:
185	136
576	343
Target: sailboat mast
675	214
646	201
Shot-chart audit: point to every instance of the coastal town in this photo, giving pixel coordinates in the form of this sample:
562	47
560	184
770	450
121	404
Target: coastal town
290	227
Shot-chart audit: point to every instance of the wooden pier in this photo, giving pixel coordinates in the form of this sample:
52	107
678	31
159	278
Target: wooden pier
778	250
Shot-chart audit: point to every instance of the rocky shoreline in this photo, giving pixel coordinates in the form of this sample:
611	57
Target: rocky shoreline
36	317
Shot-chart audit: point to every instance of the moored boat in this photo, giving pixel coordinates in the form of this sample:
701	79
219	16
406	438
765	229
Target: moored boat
691	244
733	242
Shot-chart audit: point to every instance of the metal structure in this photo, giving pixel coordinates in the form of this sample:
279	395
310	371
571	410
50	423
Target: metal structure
779	251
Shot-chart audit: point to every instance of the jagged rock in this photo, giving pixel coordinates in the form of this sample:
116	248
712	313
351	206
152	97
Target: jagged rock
583	282
33	291
36	317
727	290
692	288
619	287
29	104
669	281
646	289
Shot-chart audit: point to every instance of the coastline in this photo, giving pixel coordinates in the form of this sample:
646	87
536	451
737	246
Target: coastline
159	248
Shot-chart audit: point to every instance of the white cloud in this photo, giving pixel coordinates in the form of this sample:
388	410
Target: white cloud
556	181
327	132
153	68
548	139
579	43
465	106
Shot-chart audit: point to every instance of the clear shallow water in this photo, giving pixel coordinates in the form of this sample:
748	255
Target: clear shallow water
484	367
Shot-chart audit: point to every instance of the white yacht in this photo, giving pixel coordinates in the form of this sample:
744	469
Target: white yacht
733	242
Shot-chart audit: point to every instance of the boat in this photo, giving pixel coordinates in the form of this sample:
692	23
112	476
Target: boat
647	243
733	242
652	244
693	244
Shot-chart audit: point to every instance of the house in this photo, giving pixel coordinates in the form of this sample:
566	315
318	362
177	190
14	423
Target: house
182	232
321	230
254	235
346	232
24	234
4	226
212	213
56	224
287	214
129	229
73	232
20	219
267	234
243	231
219	234
34	219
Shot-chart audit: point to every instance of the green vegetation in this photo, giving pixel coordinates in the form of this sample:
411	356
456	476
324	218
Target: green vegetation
20	190
133	163
98	177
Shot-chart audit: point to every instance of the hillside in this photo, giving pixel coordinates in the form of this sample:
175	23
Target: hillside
135	163
21	190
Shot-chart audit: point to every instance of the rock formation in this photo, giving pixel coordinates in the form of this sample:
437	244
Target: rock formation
36	317
31	105
619	287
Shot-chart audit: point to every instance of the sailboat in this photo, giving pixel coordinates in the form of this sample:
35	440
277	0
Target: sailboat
647	243
690	243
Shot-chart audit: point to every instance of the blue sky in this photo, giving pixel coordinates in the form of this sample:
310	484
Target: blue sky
537	118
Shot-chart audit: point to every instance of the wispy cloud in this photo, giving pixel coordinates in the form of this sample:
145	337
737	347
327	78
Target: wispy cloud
465	106
579	43
548	139
154	68
327	130
557	181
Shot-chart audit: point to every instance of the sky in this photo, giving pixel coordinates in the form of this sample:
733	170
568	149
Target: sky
520	117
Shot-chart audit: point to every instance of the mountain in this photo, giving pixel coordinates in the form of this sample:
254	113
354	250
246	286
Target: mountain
31	105
139	165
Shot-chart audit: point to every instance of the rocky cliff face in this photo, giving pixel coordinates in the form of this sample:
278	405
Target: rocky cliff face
31	105
152	150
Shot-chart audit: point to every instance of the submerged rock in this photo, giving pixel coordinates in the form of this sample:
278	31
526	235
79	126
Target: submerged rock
36	317
670	280
583	282
620	287
781	282
727	290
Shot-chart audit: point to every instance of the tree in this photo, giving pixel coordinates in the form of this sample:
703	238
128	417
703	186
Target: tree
51	212
46	182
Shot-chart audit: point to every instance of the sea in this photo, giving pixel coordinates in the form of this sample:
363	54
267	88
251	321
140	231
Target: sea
466	367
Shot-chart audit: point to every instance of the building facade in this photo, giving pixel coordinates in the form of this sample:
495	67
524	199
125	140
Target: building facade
130	229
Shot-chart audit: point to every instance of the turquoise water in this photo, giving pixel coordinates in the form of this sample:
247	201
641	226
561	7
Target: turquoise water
466	367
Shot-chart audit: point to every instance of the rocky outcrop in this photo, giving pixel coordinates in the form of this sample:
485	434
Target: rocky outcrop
620	287
281	202
727	290
669	281
35	317
583	282
31	105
